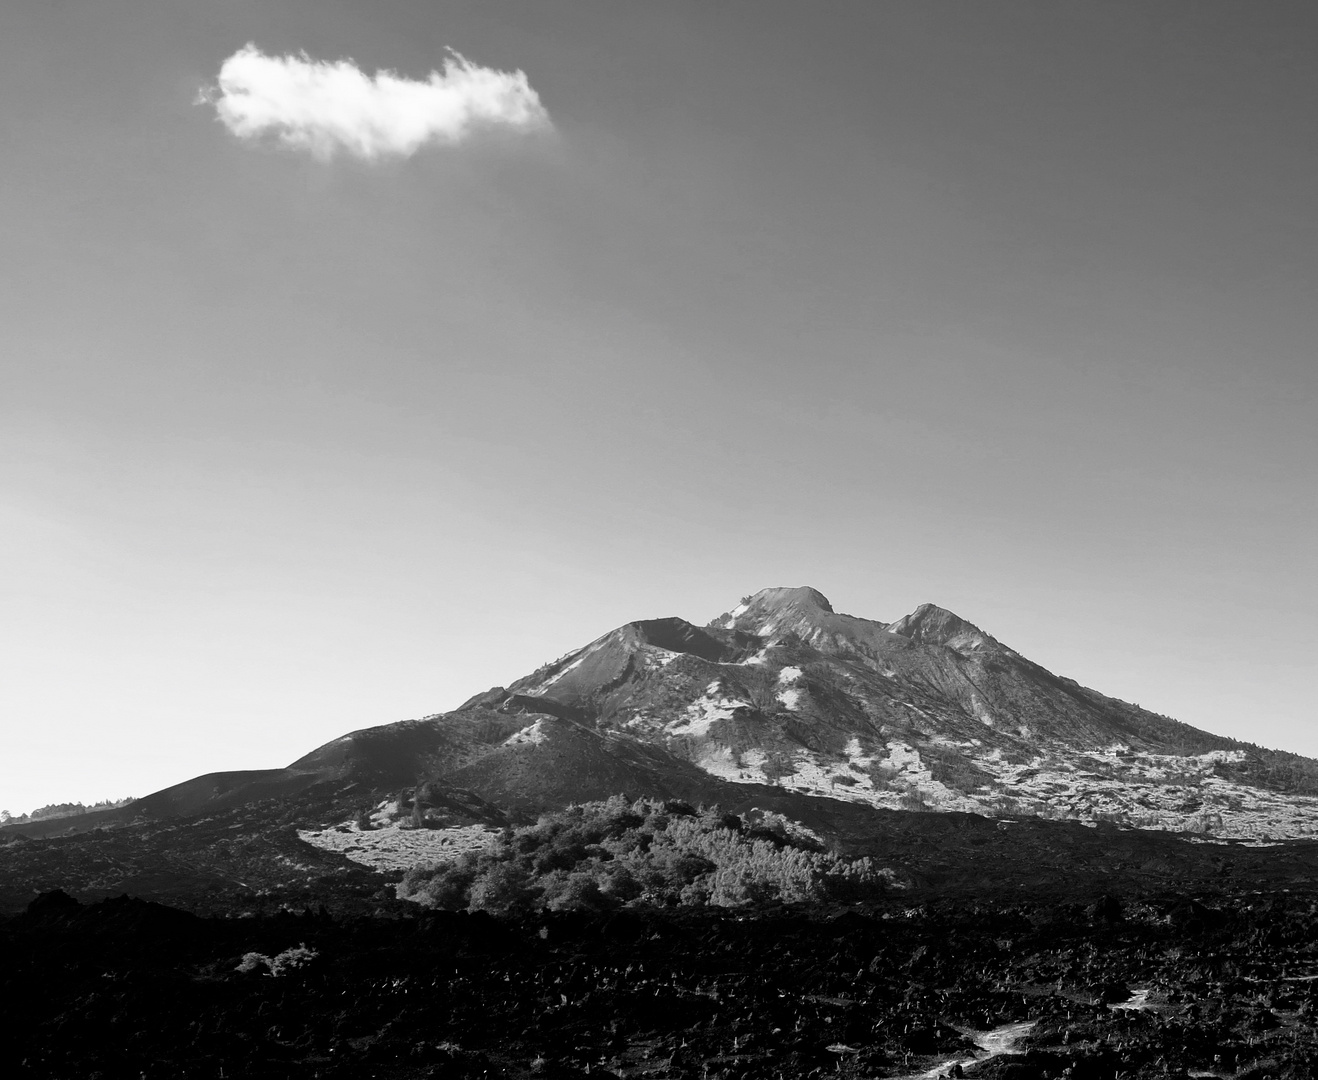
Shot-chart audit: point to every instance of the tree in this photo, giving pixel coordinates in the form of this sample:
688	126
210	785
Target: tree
503	889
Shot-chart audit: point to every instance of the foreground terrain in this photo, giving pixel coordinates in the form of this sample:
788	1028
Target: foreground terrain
255	859
1010	948
1222	984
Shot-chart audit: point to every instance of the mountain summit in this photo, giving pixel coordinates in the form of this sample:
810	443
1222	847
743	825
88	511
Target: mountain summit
803	613
783	600
807	614
930	624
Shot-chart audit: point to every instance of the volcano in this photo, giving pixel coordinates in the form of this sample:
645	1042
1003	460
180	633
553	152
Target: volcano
917	742
783	697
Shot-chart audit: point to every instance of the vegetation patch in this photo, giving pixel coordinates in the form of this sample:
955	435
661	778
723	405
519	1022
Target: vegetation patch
951	768
280	964
616	853
61	810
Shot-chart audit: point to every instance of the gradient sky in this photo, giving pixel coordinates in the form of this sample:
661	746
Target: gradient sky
1005	306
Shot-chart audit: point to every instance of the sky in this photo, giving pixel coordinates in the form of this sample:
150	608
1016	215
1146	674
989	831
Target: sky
359	355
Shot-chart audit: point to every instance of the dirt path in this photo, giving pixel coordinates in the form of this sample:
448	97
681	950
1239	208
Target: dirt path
1000	1040
1137	1002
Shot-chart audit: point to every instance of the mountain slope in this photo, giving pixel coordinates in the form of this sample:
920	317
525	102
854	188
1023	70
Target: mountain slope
925	712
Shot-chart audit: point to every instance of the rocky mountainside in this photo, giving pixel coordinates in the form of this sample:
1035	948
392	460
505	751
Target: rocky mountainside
927	712
784	702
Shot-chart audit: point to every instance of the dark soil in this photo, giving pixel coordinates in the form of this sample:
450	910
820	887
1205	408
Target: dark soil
127	988
242	860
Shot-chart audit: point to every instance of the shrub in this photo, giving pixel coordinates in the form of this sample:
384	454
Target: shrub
914	799
951	768
286	961
447	888
565	891
503	889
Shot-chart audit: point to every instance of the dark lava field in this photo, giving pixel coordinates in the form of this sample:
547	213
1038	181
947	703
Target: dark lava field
240	951
1222	984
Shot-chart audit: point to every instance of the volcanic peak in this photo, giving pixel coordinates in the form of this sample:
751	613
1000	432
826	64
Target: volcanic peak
930	624
780	599
779	605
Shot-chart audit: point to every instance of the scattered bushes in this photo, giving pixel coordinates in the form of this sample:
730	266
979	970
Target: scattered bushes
609	854
1275	770
288	960
951	768
61	810
914	799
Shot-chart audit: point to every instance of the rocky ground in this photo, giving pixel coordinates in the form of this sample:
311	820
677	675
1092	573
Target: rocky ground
1215	985
1104	951
256	859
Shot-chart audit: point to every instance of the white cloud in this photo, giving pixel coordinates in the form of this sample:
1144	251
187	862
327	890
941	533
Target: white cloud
325	107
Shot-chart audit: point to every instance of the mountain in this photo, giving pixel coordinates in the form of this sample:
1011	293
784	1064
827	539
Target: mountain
783	702
927	712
